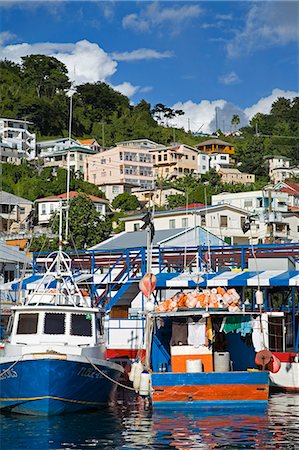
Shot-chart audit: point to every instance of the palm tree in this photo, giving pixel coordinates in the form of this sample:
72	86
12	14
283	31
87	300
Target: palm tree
235	121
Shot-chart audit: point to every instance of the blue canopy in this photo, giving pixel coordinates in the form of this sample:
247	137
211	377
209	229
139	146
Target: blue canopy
230	279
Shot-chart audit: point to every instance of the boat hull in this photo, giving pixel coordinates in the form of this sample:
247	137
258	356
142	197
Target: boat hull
190	390
49	386
286	379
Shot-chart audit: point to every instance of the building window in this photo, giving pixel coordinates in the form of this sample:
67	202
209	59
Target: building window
247	203
43	209
51	208
22	210
185	222
193	158
171	224
203	221
27	324
136	227
203	167
223	221
242	220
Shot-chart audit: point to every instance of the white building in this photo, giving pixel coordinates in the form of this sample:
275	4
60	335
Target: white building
9	154
255	202
48	205
224	221
279	168
55	153
112	190
203	163
219	160
292	189
212	161
16	133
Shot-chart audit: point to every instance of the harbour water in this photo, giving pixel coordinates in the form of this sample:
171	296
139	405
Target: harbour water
129	425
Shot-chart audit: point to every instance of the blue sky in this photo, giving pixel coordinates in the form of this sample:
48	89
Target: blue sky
237	56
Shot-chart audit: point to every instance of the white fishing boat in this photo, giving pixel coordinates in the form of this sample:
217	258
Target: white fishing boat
54	356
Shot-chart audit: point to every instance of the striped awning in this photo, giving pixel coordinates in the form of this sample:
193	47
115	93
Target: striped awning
230	279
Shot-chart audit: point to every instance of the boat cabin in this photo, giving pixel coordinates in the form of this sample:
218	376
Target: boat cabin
63	325
220	341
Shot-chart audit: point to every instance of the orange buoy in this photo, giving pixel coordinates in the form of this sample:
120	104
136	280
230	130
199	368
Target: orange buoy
274	365
147	284
263	357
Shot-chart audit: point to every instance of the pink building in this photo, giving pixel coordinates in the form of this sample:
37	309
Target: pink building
127	162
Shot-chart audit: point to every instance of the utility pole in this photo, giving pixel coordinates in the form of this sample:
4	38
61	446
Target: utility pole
103	133
216	118
189	128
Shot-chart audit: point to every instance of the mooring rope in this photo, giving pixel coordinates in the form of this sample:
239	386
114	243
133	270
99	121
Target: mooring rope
9	368
107	376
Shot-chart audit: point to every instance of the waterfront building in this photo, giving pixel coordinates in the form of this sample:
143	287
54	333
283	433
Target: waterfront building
12	261
255	202
92	144
53	145
16	133
112	190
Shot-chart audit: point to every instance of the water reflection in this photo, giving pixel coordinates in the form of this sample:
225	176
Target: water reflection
127	425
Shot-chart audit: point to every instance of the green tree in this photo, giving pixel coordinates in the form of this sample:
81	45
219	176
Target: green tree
125	202
46	73
86	226
176	200
235	121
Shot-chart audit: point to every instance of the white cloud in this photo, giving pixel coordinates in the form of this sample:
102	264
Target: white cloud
85	61
126	89
202	115
140	54
229	78
155	16
267	23
264	104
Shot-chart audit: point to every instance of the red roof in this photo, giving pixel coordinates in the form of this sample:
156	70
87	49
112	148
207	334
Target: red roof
293	188
192	205
72	194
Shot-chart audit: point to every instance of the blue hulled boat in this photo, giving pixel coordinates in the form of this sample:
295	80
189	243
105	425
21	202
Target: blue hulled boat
54	357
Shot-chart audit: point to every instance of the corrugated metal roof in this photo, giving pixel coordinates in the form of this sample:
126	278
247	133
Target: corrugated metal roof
10	199
135	239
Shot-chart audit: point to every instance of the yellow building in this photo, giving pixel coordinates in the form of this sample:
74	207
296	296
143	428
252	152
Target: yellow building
216	146
175	161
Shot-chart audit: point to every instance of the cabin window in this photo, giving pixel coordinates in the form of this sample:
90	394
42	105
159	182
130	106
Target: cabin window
81	325
27	324
54	323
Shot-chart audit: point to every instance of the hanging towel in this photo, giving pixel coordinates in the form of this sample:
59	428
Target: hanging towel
209	331
179	332
246	327
257	336
197	333
232	323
